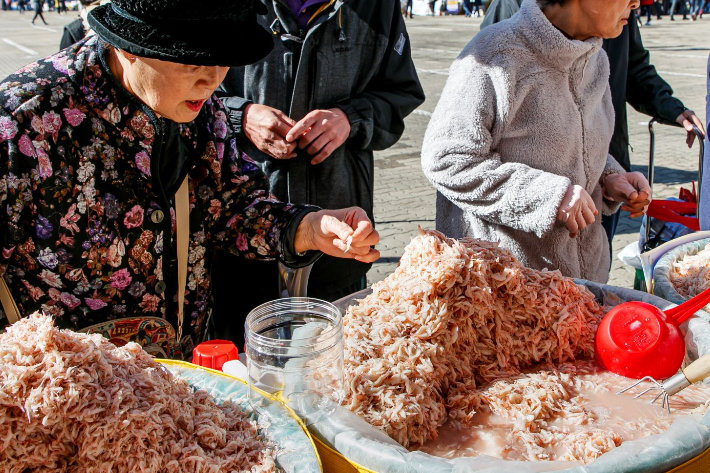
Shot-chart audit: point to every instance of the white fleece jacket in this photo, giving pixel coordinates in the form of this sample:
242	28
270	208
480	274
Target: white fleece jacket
525	113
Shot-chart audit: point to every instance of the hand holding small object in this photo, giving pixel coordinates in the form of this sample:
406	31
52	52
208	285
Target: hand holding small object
631	188
344	233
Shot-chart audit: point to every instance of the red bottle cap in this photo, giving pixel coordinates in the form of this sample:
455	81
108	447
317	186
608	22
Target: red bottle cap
214	353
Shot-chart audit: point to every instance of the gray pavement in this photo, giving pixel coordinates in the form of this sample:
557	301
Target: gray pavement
404	199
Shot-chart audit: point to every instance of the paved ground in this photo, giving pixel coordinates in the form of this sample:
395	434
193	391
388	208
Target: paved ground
404	198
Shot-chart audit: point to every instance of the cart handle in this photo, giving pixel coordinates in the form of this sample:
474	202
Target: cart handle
651	167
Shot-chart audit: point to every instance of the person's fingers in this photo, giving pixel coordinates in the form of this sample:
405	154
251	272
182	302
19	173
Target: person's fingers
624	187
324	153
311	136
371	257
351	249
318	143
330	225
588	215
698	123
286	119
280	128
302	126
572	225
581	222
363	226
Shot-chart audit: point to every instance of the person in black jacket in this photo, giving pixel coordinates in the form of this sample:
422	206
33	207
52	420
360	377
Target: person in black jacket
336	87
633	80
77	29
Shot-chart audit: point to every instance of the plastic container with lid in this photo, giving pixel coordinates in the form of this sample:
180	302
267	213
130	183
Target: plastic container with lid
294	349
214	354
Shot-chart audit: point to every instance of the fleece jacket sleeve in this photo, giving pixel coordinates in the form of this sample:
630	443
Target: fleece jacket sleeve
460	159
610	207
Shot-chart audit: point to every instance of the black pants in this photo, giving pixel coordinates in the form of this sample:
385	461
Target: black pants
610	222
239	285
38	13
646	10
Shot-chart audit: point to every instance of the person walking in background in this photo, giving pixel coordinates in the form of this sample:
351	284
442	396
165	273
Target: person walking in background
467	6
38	11
21	5
477	5
409	7
683	9
698	13
431	7
658	6
646	9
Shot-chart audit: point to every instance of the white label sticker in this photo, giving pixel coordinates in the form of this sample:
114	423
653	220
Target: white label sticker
399	47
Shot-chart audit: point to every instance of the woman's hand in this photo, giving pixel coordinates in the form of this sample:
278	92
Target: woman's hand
344	233
687	119
631	188
577	210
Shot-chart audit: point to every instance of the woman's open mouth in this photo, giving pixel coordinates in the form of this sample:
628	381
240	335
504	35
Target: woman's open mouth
194	105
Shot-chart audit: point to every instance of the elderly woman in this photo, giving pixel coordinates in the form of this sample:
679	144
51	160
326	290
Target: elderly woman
120	177
518	145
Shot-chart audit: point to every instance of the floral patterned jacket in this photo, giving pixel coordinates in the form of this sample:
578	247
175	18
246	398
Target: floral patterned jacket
87	232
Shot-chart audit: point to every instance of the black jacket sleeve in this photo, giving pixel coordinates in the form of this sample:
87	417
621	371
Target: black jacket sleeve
377	115
646	91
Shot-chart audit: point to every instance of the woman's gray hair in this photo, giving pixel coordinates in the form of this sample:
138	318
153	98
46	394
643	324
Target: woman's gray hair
546	3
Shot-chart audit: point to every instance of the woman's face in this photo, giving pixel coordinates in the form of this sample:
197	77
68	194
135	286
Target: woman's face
584	19
174	91
606	18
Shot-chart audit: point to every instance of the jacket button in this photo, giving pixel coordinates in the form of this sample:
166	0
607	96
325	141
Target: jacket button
157	216
160	287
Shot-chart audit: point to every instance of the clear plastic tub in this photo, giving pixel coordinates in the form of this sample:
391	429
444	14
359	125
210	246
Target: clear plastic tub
294	349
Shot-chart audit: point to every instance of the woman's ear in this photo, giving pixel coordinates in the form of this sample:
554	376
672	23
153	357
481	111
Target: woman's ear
127	56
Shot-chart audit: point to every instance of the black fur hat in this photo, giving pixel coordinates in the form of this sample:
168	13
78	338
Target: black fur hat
200	33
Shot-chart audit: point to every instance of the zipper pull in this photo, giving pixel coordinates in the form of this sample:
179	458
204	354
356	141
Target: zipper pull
342	35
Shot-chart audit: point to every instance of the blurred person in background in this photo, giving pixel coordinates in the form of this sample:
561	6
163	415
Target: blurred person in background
647	9
38	4
681	4
698	12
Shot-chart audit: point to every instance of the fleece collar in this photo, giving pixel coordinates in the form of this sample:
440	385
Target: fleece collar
550	43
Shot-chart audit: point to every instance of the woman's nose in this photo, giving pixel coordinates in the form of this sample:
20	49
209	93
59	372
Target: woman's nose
213	76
